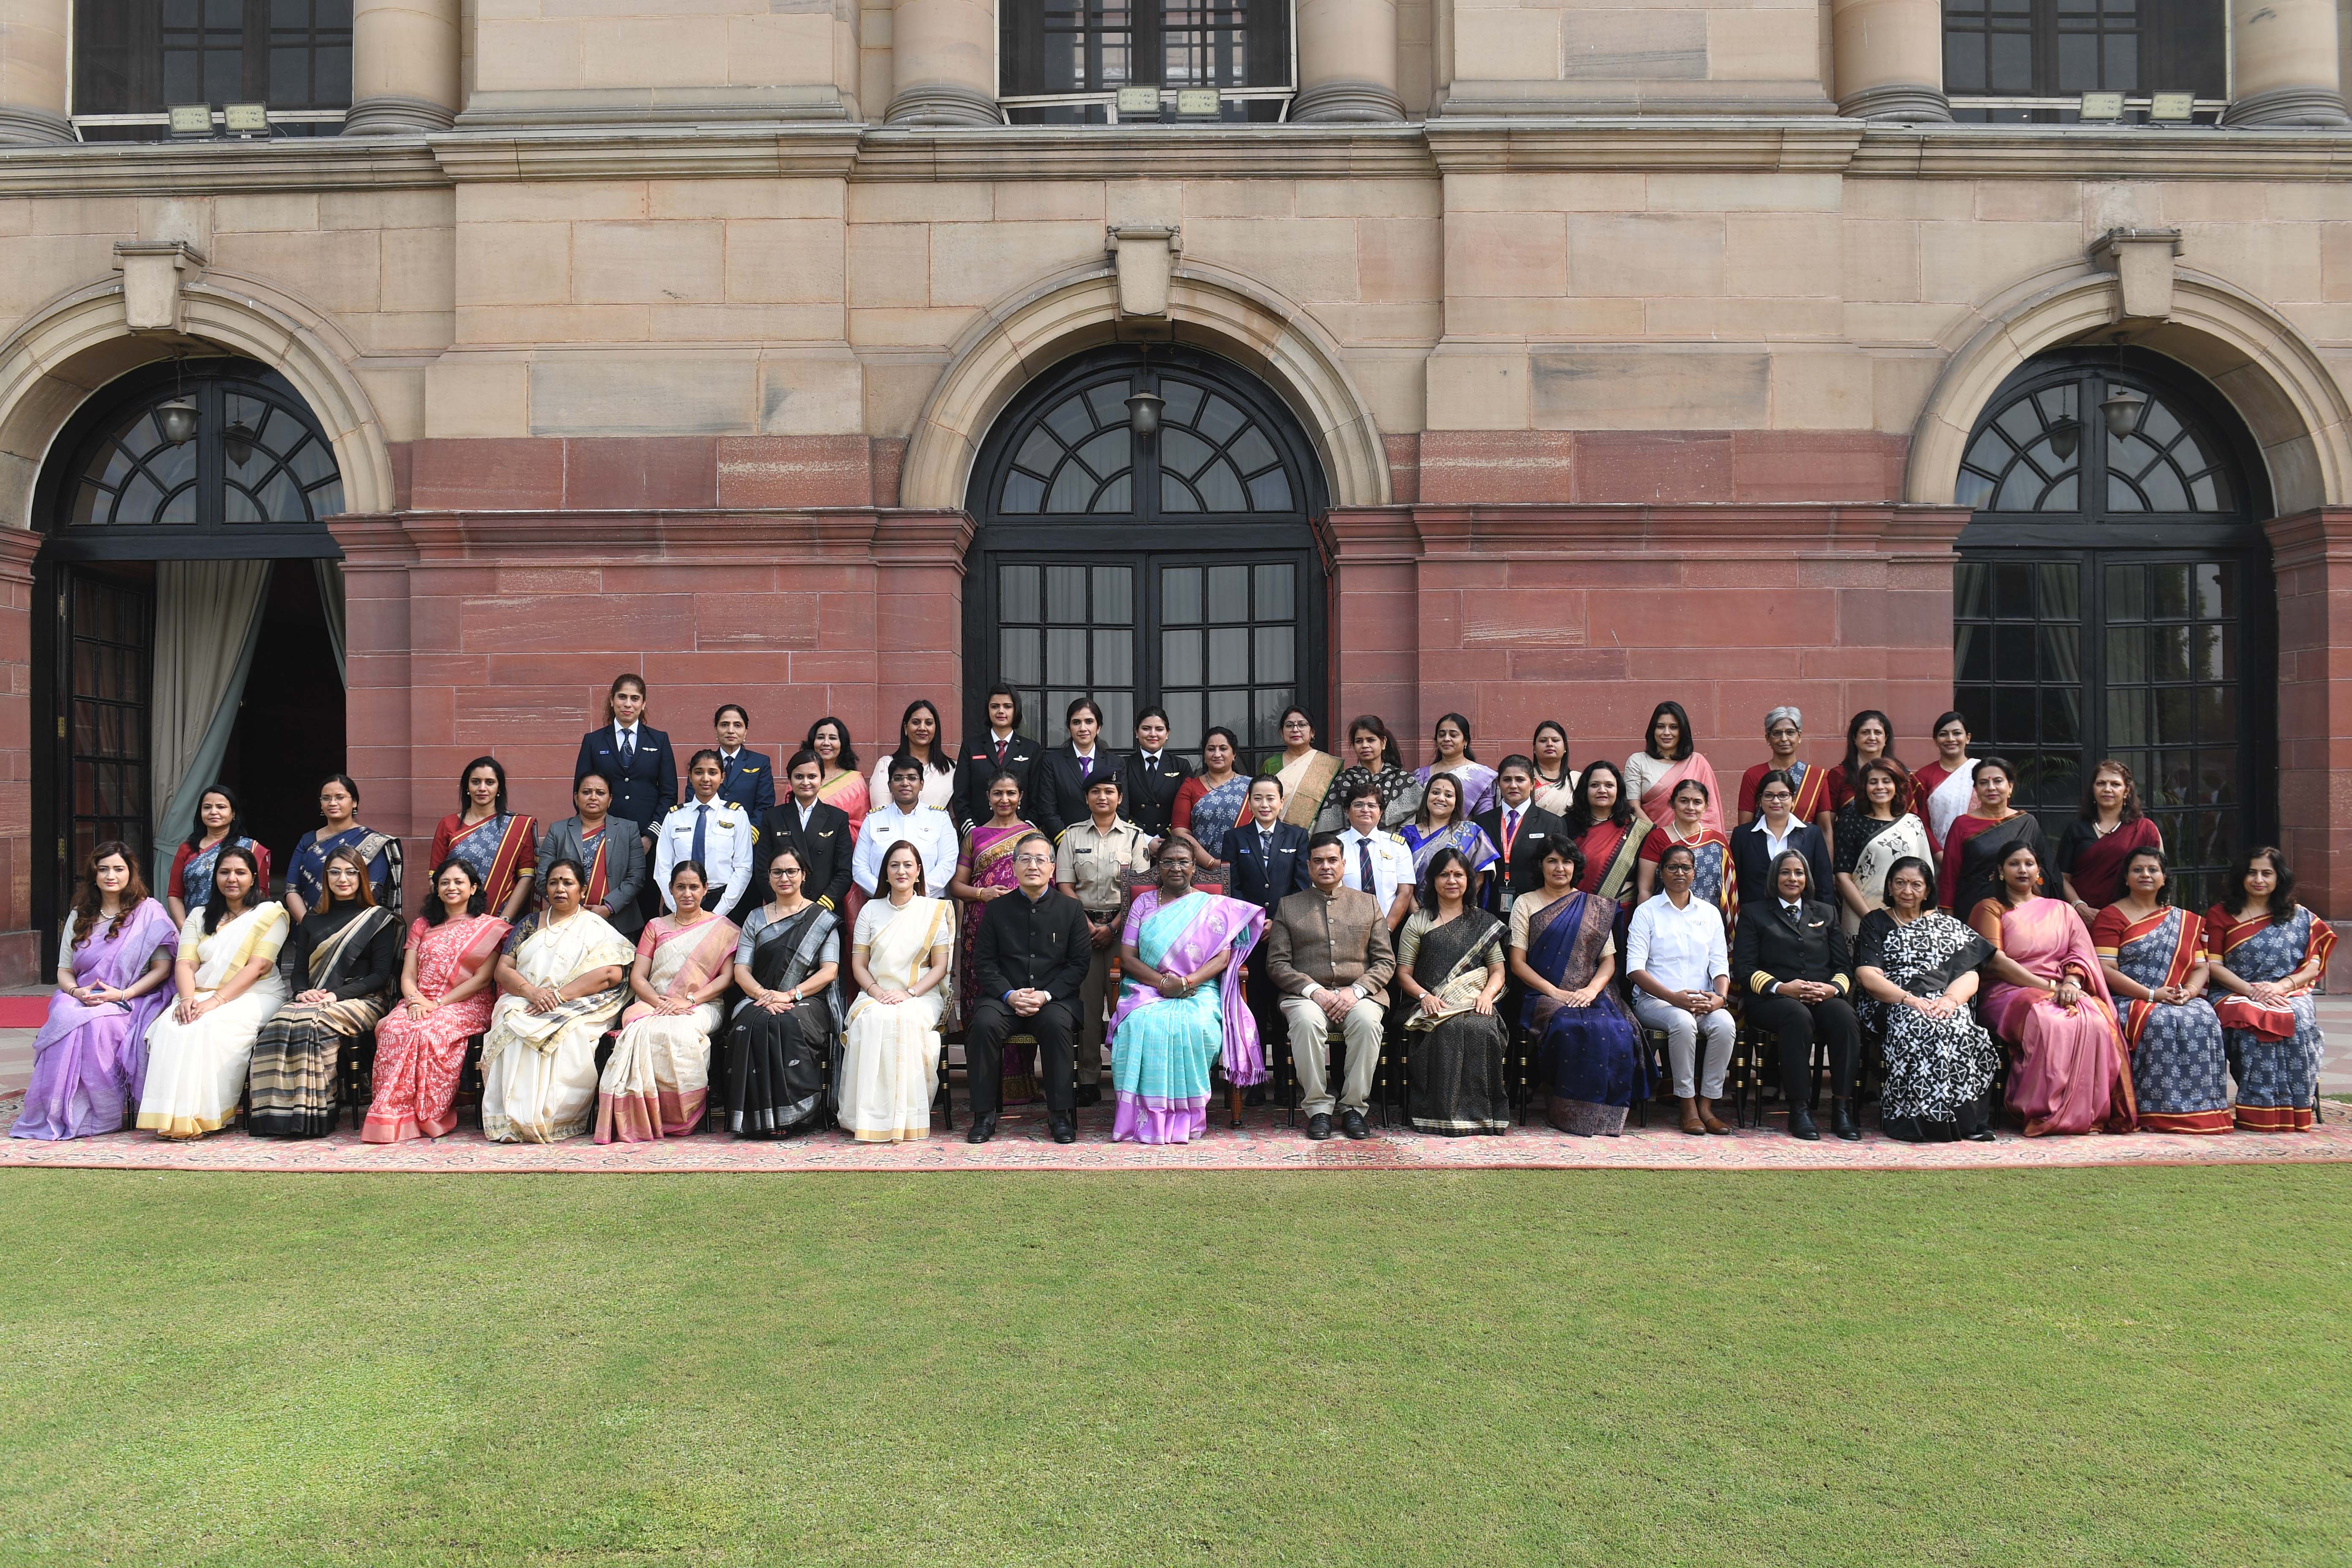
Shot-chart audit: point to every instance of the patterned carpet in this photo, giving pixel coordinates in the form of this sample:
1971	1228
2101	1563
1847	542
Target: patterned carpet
1263	1144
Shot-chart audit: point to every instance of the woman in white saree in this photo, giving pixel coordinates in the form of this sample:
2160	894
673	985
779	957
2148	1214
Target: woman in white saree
226	974
891	1069
562	979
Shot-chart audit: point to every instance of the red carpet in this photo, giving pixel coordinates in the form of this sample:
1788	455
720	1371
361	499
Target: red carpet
23	1012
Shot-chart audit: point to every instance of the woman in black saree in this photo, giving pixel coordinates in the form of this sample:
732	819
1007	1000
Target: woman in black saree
783	1037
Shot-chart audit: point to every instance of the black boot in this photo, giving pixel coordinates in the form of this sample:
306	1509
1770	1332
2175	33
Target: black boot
1800	1124
1841	1120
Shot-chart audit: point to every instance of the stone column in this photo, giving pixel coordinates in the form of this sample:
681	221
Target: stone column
1889	59
32	54
1347	61
404	66
2286	64
944	57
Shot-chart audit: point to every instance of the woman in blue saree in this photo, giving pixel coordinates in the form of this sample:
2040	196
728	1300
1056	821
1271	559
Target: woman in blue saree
339	804
1564	951
1180	1010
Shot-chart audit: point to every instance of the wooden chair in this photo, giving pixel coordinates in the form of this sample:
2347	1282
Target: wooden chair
1657	1066
355	1075
469	1079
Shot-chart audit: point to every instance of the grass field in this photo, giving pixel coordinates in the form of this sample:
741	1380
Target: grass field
2077	1367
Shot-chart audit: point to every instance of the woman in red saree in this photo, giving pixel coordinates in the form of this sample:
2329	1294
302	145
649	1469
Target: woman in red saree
446	998
2048	1003
501	846
1670	754
1784	731
2100	842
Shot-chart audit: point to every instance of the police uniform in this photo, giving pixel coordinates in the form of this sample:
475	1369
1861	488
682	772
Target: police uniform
1099	867
727	853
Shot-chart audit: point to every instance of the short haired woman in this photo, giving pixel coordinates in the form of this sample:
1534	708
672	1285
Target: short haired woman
2048	1002
501	845
114	969
1784	731
2268	952
446	985
2108	830
227	983
1669	755
1916	968
345	958
983	875
2154	959
657	1079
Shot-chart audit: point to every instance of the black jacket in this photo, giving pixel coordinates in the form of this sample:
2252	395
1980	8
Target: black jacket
1769	947
976	764
1062	791
1752	861
1265	880
1045	944
646	792
1539	830
1147	796
826	850
751	783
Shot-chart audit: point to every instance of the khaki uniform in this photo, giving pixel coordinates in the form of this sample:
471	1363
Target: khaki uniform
1100	866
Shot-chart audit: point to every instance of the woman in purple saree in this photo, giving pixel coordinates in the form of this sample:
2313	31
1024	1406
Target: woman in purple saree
1180	1009
2048	1004
114	971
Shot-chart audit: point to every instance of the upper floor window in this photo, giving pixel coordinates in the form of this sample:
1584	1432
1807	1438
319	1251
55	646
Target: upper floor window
135	58
2029	61
1063	62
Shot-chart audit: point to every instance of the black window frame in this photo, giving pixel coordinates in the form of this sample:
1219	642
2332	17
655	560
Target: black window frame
2180	46
128	64
1145	30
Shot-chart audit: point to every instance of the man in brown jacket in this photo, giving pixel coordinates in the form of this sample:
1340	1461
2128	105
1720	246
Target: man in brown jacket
1329	956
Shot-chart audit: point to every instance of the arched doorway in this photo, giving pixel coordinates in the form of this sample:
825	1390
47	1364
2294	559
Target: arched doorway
2114	599
188	615
1177	568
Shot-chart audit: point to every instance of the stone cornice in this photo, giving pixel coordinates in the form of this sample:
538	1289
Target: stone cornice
219	168
2042	152
716	537
1819	145
1741	531
19	546
2322	536
1713	142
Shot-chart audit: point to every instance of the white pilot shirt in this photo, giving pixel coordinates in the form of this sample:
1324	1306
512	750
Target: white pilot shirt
727	841
1391	866
932	833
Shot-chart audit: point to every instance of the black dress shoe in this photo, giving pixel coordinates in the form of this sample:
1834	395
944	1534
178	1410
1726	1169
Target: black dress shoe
1351	1123
1841	1120
983	1127
1319	1128
1088	1094
1983	1135
1801	1125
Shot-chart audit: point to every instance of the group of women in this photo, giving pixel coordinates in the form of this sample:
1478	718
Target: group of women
2110	1007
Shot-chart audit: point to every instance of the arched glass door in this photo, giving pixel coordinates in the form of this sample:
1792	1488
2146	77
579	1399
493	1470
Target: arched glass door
1174	567
2113	599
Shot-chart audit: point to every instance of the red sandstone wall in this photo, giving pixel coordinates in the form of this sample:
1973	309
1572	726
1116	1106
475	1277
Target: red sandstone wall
2313	559
19	945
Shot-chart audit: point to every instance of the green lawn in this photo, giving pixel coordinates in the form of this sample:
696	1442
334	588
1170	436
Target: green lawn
2076	1367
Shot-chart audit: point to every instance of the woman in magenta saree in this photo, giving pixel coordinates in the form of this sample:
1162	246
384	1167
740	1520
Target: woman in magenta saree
2049	1005
1180	1009
114	973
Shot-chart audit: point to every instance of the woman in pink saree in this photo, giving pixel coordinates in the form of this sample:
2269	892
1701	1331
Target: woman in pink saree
1182	1009
445	996
2048	1004
657	1079
1670	754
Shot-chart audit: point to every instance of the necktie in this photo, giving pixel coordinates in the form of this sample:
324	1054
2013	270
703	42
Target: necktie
1265	845
1085	767
1364	865
629	748
1510	830
1789	913
701	822
1000	754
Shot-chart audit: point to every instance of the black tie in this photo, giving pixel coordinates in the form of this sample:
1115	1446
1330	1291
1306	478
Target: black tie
629	748
1789	913
1364	865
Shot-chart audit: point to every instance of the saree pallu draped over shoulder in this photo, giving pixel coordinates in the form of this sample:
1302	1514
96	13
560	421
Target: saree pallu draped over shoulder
657	1079
1305	784
1162	1048
2071	1072
2274	1051
539	1070
195	1072
90	1060
890	1061
1592	1056
501	850
295	1079
1457	1083
419	1061
778	1064
2179	1077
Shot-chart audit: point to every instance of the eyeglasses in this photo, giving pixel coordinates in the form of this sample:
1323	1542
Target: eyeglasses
1032	860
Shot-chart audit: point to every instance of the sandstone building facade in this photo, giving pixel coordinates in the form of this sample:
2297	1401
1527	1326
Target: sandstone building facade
1527	359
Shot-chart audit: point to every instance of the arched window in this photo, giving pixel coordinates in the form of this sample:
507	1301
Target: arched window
2113	599
133	60
200	458
1175	568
